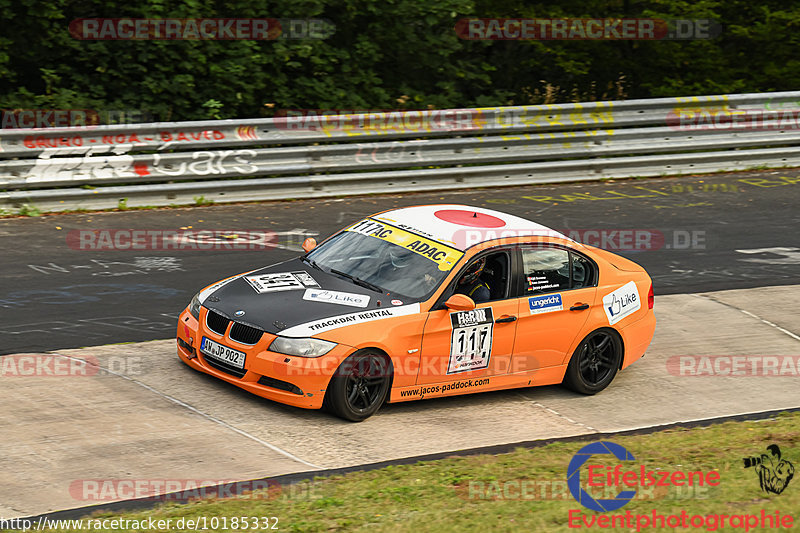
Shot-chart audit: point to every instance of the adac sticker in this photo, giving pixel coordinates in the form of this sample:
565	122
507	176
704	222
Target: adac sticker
441	254
622	302
336	297
281	281
545	304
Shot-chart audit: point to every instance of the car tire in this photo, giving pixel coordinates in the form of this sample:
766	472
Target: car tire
595	362
360	386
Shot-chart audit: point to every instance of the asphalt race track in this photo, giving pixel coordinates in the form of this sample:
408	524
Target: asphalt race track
722	251
53	296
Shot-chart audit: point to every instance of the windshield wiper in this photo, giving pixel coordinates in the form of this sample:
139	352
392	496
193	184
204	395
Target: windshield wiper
358	281
312	263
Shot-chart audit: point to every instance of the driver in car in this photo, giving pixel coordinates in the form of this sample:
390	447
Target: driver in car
471	283
400	259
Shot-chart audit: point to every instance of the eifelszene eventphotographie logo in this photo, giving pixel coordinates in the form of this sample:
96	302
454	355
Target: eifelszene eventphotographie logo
607	479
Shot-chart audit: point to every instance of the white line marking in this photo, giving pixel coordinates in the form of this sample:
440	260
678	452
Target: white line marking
776	326
751	315
568	419
196	411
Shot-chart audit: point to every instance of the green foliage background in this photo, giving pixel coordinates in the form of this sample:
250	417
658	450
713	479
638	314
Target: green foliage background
384	54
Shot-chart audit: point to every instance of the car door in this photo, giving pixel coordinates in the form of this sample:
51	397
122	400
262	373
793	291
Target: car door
557	288
460	345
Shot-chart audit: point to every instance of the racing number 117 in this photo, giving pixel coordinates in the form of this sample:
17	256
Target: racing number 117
471	342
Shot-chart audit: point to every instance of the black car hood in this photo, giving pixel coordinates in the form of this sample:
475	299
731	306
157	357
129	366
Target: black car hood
291	293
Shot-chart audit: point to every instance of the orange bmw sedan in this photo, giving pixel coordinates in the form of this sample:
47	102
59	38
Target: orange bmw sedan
422	302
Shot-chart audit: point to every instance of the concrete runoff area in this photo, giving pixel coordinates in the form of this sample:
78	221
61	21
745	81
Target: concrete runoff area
153	418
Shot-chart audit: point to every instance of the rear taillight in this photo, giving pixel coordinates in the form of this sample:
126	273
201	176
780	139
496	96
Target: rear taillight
651	298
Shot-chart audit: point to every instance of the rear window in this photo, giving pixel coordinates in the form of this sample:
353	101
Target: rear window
555	269
545	270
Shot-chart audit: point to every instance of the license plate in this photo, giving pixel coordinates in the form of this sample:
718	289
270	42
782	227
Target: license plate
222	353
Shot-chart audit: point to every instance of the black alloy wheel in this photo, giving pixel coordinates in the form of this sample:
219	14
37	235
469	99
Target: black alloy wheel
595	362
359	386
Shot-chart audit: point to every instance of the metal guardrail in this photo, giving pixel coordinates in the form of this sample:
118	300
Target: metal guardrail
320	156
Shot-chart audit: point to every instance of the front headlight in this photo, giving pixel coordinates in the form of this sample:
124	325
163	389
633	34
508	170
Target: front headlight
194	306
301	347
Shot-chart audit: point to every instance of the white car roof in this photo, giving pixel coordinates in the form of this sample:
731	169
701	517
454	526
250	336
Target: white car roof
462	226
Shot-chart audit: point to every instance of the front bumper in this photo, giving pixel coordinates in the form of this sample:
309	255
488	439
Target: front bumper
297	381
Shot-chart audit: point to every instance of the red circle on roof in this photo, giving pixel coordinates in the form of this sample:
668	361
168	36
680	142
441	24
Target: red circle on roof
469	218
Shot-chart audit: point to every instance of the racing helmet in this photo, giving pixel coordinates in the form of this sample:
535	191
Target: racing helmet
399	257
472	272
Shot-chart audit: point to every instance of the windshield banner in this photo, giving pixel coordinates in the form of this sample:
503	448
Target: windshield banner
444	256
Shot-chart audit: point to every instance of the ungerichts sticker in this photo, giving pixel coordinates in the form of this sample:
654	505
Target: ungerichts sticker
545	304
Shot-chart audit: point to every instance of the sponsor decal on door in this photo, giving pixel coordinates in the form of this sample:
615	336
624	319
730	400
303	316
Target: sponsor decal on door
471	341
622	302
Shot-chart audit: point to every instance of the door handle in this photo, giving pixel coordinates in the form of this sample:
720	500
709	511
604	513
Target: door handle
579	307
506	318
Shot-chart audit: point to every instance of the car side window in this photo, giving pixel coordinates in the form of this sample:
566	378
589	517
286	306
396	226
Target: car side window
495	275
486	282
583	274
545	270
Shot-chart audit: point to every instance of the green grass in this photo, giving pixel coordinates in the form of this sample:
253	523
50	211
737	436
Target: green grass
29	210
435	495
201	201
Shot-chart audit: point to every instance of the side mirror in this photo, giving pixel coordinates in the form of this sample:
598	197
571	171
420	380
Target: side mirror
309	244
460	302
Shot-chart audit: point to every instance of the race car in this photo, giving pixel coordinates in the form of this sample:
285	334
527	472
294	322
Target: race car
422	302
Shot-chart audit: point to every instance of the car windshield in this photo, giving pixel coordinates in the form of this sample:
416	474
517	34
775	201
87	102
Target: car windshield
389	266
